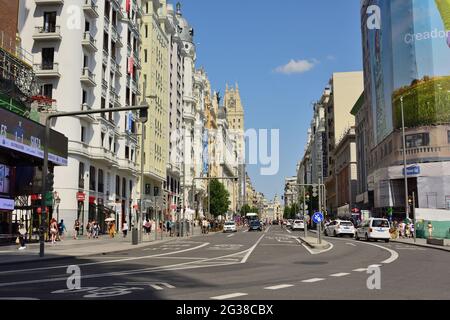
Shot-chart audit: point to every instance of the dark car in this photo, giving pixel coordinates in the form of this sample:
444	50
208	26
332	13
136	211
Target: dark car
255	226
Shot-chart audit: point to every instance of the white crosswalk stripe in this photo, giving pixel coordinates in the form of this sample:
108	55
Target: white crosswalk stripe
337	275
230	296
360	270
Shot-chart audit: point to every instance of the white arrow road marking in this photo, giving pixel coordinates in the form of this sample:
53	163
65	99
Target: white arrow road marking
360	270
231	235
230	296
351	244
313	280
338	275
281	286
107	262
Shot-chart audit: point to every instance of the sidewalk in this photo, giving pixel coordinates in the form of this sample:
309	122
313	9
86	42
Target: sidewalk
82	247
420	243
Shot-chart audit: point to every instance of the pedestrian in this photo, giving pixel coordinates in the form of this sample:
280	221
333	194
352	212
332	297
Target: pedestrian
61	230
147	227
53	230
112	229
408	231
125	229
412	229
76	229
89	229
430	230
95	229
22	236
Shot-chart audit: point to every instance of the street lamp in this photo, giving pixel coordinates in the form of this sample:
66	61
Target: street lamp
405	173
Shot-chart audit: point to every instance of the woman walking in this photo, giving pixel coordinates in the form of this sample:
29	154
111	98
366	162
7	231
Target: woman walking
76	229
53	230
125	229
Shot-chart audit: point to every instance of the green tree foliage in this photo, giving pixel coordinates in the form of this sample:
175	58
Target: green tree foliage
220	198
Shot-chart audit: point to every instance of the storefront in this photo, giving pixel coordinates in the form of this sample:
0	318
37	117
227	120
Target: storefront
21	155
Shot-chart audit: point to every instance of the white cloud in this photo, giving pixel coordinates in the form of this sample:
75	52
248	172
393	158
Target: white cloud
297	66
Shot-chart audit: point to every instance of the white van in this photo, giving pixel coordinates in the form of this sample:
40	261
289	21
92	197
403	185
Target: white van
374	229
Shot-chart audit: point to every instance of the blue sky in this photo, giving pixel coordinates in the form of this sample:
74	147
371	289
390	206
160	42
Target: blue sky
252	42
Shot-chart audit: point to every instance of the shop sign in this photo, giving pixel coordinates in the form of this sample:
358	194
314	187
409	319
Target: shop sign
6	204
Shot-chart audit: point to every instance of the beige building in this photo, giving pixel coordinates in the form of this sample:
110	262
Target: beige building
345	90
155	82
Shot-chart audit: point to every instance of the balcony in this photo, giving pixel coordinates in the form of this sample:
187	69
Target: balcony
116	37
48	2
89	118
89	42
133	85
104	88
137	60
87	77
114	98
46	70
90	8
105	57
115	67
52	33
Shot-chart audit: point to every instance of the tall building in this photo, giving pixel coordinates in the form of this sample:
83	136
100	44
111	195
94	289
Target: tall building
176	73
406	59
86	54
20	132
345	90
236	121
155	82
291	192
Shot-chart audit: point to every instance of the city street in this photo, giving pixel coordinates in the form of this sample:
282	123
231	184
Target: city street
270	265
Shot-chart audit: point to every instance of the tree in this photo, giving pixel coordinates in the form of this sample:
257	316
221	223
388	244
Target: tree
220	198
246	209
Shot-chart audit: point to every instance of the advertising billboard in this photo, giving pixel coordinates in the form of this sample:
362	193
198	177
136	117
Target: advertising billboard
26	136
406	47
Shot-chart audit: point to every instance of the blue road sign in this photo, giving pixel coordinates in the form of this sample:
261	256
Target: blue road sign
318	217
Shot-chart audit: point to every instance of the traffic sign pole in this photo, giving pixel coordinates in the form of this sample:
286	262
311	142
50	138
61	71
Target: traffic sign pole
320	210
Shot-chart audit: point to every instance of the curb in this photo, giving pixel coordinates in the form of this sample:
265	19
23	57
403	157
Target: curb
315	246
422	245
63	257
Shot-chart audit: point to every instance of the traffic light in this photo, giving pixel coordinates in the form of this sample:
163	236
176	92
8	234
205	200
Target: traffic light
143	114
315	191
50	182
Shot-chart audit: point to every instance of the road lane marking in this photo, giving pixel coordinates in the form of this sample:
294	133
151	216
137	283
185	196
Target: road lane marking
289	231
281	286
267	230
338	275
231	235
375	266
360	270
394	255
107	262
351	244
230	296
154	286
250	251
313	280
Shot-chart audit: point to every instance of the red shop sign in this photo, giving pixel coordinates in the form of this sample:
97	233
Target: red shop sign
81	196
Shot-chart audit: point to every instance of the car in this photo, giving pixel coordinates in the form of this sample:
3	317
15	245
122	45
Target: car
374	229
289	223
339	228
298	225
275	222
255	225
229	226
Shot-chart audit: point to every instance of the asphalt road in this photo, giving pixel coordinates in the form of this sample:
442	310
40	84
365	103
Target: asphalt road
271	265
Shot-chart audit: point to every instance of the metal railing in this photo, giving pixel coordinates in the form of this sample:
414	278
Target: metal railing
46	67
48	30
88	37
85	72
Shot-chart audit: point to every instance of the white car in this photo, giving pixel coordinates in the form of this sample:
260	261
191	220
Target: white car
339	228
298	225
289	223
374	229
229	226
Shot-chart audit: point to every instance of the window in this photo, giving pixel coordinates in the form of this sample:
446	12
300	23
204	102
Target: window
81	175
110	143
127	152
105	41
146	30
47	90
84	97
103	106
448	136
50	21
92	178
102	137
145	55
417	140
131	188
101	186
48	58
124	188
83	134
117	186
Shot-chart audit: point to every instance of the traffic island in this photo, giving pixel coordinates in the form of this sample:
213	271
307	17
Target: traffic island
313	243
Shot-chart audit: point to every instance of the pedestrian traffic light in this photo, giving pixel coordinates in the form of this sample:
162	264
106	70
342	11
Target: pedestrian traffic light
49	182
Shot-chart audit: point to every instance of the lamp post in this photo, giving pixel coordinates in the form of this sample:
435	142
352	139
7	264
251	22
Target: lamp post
44	226
405	173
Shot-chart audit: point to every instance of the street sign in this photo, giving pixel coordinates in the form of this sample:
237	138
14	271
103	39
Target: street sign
318	217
